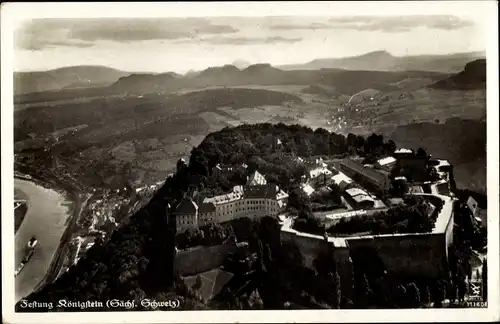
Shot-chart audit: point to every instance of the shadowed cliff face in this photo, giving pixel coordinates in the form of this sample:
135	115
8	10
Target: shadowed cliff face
472	77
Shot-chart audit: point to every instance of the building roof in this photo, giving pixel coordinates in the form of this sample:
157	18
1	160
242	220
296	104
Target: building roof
280	194
267	191
341	180
403	151
367	172
416	189
256	179
346	214
213	281
186	206
361	198
355	192
386	161
396	201
207	207
443	163
238	189
224	199
314	173
308	189
472	204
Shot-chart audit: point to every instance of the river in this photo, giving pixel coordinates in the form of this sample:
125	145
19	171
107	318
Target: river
46	219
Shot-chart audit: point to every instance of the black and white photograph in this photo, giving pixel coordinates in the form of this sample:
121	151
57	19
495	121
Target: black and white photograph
177	161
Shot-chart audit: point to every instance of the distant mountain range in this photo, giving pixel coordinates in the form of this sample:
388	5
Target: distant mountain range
376	70
65	78
473	76
344	81
384	61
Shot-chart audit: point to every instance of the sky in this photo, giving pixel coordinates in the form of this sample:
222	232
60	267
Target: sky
181	44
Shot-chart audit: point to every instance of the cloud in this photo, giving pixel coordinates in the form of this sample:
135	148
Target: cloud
378	23
43	33
126	30
38	45
241	40
291	26
400	23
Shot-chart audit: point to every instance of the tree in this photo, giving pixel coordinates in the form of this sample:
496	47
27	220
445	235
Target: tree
461	289
364	292
333	283
254	301
413	295
390	147
426	296
197	285
400	295
485	280
440	294
421	153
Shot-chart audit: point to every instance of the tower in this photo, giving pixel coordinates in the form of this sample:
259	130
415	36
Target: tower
181	164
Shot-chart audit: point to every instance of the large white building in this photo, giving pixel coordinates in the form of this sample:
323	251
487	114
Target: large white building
255	200
377	180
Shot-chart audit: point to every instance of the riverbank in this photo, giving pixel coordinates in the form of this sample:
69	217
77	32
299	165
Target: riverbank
57	253
19	214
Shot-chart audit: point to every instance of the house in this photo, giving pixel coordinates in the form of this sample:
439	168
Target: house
217	170
307	189
206	213
225	206
341	182
376	180
320	176
360	198
260	201
256	179
402	152
186	214
386	163
282	199
253	200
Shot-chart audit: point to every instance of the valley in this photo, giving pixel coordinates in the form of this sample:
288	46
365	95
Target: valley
136	138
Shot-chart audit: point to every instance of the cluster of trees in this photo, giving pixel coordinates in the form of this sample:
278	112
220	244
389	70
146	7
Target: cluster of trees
413	217
374	286
258	147
209	234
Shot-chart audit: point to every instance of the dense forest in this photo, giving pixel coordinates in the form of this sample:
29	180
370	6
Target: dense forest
137	260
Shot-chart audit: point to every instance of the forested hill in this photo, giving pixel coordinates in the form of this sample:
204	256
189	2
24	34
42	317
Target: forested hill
136	262
137	259
472	77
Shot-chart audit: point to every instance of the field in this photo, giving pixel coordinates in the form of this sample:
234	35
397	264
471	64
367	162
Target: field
137	139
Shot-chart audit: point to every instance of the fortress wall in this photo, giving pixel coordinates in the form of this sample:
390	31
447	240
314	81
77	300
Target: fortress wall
410	254
202	258
405	254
